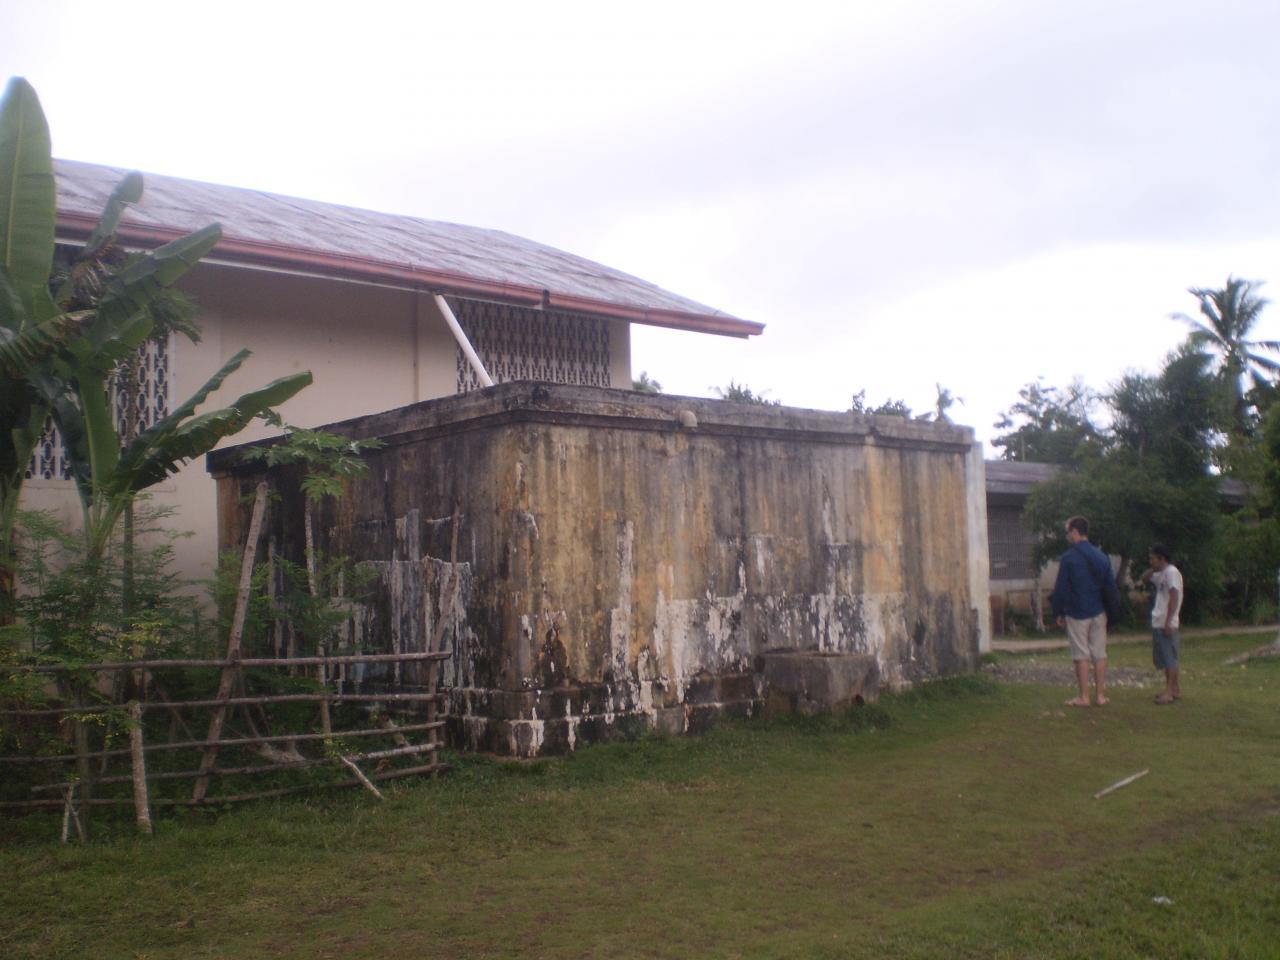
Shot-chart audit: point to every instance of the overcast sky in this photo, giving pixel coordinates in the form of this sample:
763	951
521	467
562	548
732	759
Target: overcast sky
907	193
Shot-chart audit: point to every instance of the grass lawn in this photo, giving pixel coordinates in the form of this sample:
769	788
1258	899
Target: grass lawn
954	821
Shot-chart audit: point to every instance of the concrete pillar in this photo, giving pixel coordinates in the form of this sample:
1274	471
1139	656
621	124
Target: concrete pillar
975	476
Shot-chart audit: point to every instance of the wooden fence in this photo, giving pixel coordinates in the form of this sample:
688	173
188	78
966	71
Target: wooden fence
416	712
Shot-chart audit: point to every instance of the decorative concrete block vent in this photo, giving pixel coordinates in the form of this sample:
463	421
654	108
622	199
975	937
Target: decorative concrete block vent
628	561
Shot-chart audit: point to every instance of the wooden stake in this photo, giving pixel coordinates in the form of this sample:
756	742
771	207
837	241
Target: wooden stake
233	641
142	808
1121	783
368	784
70	815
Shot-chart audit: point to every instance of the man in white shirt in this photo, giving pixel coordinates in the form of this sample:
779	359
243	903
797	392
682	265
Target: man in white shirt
1164	620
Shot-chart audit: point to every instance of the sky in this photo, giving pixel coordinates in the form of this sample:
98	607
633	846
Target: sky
906	193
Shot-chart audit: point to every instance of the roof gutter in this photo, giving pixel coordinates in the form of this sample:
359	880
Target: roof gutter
256	253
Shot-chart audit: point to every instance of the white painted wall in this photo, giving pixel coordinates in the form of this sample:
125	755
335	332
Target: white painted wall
368	348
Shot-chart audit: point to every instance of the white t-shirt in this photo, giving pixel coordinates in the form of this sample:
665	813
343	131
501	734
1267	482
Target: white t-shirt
1165	580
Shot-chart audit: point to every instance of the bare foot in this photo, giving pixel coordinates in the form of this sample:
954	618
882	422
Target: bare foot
1103	701
1164	698
1078	702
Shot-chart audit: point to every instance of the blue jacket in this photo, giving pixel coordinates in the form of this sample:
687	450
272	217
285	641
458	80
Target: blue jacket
1082	571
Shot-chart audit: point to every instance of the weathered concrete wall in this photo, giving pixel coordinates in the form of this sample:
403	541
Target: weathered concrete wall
618	564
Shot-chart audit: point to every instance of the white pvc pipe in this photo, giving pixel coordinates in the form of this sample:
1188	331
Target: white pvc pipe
468	351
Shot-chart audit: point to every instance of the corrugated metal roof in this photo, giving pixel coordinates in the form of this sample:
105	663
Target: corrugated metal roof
1017	476
326	239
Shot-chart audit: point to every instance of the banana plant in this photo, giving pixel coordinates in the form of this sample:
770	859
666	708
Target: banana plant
110	478
59	349
110	470
31	328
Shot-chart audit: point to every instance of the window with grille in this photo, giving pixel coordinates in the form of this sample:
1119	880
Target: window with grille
1010	543
517	343
135	409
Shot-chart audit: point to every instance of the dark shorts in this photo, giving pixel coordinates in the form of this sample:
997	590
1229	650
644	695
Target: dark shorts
1164	649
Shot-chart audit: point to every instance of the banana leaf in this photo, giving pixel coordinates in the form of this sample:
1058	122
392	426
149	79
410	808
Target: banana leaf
13	312
101	441
127	191
27	199
129	294
20	352
163	448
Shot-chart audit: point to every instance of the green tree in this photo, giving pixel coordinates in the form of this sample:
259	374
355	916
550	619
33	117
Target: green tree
1171	422
1148	478
1047	424
1227	318
889	408
1251	532
645	384
741	393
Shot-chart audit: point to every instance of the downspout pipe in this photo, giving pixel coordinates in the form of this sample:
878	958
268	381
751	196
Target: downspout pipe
468	351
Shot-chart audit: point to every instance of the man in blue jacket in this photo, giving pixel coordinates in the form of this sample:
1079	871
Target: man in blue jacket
1083	572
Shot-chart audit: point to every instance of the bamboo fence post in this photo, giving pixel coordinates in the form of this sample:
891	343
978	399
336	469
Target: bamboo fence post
326	719
277	628
80	737
66	813
437	635
141	805
70	815
368	784
322	673
76	819
233	641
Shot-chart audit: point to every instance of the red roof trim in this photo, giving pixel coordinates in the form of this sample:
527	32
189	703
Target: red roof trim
257	253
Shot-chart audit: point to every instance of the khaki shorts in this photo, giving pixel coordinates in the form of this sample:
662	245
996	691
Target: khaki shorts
1088	637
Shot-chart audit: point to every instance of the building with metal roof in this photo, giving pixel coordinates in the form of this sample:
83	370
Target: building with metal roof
385	310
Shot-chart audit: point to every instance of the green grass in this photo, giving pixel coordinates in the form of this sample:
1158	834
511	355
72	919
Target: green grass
955	821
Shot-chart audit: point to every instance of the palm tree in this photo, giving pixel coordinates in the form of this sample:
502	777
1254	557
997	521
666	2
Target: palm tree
946	400
1229	316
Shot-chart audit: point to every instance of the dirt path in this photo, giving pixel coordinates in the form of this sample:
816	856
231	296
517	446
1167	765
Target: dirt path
1031	670
1059	642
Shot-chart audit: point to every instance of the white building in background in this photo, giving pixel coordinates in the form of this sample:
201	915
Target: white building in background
351	295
